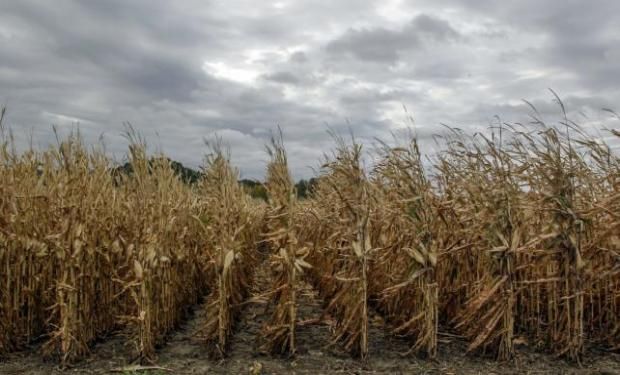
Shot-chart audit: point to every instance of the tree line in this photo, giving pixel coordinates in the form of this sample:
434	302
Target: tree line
254	188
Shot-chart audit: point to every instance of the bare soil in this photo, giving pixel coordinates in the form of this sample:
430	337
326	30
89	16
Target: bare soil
183	353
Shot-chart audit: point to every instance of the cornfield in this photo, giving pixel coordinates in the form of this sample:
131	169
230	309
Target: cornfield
79	261
502	239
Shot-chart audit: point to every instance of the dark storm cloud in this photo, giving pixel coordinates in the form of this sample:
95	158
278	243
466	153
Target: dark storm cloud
182	71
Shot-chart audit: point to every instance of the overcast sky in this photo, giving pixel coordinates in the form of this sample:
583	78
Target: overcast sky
181	71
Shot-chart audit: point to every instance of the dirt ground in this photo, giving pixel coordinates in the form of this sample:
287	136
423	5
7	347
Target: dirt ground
183	353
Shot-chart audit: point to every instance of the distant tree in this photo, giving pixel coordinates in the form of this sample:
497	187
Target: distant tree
305	188
301	187
187	175
249	183
254	188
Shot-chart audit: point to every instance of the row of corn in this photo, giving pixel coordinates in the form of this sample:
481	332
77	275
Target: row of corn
87	250
506	240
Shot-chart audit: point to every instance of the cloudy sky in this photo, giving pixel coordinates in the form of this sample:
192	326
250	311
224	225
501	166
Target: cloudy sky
182	71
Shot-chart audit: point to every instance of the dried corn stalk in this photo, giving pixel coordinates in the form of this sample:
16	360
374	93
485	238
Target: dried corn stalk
287	260
341	252
405	222
232	227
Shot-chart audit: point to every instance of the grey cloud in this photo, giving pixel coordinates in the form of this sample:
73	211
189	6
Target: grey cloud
376	45
385	45
283	77
433	28
574	36
443	70
304	65
363	97
298	57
